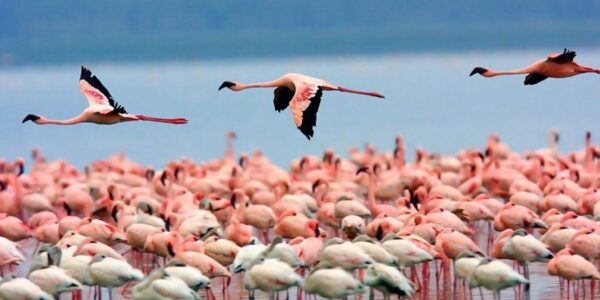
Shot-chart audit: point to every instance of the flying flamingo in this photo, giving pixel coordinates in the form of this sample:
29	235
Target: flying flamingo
102	109
302	93
556	65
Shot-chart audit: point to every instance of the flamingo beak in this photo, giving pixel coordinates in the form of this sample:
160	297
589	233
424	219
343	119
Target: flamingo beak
315	185
478	70
379	234
31	117
170	249
226	84
361	169
232	200
67	209
317	231
163	177
114	212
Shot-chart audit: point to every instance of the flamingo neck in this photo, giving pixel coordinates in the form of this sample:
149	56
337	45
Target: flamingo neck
492	73
75	120
268	84
371	192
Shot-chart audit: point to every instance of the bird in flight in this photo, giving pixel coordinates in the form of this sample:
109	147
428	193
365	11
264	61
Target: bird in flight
102	109
556	65
301	93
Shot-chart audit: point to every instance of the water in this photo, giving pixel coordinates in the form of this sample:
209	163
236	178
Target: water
429	99
543	286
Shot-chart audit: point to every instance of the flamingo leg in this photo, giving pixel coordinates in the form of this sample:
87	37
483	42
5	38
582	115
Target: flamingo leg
527	285
162	120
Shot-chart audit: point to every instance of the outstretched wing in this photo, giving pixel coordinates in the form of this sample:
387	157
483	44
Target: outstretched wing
304	107
534	78
566	57
282	98
96	94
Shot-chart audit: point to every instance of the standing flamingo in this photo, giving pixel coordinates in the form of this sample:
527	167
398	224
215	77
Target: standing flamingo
102	109
556	65
302	93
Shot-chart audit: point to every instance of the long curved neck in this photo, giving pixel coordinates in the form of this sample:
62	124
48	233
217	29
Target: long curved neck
268	84
525	70
75	120
371	191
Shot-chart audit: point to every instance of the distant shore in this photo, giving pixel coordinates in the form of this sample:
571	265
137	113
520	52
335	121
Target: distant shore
196	44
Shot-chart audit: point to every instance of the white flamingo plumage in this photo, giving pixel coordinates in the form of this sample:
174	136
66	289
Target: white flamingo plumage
301	93
102	109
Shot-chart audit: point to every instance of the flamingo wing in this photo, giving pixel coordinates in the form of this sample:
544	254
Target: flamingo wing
305	106
566	57
97	95
282	98
534	78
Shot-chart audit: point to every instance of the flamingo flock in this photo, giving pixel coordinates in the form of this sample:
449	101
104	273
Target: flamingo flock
331	226
374	223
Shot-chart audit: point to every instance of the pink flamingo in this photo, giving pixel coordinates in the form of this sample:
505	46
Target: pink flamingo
102	109
302	93
556	65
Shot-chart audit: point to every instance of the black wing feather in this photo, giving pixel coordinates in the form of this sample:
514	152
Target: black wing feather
86	75
309	116
566	57
282	98
534	78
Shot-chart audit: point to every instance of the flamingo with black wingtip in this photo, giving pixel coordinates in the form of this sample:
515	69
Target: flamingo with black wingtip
102	109
302	93
556	65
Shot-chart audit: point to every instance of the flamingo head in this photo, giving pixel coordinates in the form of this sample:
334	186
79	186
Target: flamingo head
228	84
364	169
478	70
33	118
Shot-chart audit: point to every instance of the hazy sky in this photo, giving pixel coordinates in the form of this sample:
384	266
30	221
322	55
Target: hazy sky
71	31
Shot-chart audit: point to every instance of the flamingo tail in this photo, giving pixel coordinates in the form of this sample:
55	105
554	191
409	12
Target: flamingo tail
162	120
372	94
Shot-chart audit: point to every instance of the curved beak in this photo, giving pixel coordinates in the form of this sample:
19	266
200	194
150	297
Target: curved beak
163	177
226	84
232	200
361	170
30	117
170	249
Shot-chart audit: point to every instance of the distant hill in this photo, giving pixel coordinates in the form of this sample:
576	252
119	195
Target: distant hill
39	32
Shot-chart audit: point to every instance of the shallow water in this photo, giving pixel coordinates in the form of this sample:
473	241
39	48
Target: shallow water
543	286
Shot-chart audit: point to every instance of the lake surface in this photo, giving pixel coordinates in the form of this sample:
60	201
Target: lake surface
430	100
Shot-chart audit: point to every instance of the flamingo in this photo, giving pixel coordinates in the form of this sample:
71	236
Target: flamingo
571	266
22	288
102	109
494	275
272	275
302	93
190	275
556	65
388	280
330	282
109	272
158	285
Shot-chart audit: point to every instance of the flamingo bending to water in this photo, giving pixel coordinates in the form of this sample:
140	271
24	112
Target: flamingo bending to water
302	93
556	65
102	109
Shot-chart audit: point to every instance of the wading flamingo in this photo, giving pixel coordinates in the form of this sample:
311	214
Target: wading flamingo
102	109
